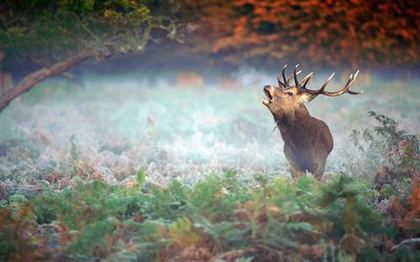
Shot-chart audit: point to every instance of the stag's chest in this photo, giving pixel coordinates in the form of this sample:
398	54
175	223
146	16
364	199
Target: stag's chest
301	133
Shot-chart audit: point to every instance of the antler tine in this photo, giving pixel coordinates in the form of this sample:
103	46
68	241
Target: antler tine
285	83
295	75
290	77
306	79
326	82
351	83
283	73
280	83
345	89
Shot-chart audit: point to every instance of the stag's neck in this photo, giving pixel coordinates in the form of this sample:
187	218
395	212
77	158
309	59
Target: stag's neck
292	123
293	118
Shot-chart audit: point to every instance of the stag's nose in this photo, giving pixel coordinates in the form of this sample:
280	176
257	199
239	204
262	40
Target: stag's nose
268	90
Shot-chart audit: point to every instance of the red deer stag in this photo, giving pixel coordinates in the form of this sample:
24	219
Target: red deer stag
307	140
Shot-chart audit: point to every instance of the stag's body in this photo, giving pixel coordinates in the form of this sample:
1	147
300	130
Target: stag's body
307	140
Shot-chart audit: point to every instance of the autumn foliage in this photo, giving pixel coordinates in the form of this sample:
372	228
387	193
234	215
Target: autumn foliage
329	33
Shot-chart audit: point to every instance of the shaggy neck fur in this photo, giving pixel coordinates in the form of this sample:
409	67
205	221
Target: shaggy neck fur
290	123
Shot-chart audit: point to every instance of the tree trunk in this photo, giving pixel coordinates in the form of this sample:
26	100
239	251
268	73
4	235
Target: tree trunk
40	75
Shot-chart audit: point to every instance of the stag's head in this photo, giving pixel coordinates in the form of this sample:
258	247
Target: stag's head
287	97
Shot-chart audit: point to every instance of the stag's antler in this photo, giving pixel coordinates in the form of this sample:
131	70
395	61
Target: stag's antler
301	85
285	83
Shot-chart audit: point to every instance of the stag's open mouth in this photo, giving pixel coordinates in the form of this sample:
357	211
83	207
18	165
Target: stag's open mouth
266	101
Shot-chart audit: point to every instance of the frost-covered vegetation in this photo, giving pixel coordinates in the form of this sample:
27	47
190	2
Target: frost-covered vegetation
115	171
218	218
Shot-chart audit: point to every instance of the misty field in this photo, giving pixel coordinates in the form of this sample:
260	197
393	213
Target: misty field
131	170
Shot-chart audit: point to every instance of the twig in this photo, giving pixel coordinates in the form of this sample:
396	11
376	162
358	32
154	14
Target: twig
232	255
405	242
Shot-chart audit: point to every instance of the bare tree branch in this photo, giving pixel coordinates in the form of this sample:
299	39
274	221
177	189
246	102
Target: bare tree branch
406	242
36	77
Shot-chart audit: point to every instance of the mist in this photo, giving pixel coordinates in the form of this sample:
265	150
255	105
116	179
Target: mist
119	124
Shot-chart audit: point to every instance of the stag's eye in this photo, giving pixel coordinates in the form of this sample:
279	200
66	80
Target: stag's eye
289	93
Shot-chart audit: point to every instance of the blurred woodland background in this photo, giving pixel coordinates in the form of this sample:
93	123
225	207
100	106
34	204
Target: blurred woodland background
144	138
355	33
227	34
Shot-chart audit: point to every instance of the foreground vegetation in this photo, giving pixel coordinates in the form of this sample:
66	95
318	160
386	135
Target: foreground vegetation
335	220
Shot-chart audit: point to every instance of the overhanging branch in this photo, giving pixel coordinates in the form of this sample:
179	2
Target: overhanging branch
36	77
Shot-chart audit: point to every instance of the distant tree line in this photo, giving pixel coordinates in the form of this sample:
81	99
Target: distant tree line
46	38
328	33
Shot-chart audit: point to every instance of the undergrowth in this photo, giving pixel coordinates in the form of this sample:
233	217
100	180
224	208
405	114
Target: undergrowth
219	218
282	219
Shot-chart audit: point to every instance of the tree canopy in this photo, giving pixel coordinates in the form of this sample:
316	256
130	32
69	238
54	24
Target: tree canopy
54	36
47	31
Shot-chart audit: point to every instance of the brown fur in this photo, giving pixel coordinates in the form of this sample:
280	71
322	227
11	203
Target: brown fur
307	140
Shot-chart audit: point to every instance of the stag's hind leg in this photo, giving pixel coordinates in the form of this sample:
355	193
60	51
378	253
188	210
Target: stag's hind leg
318	171
295	171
